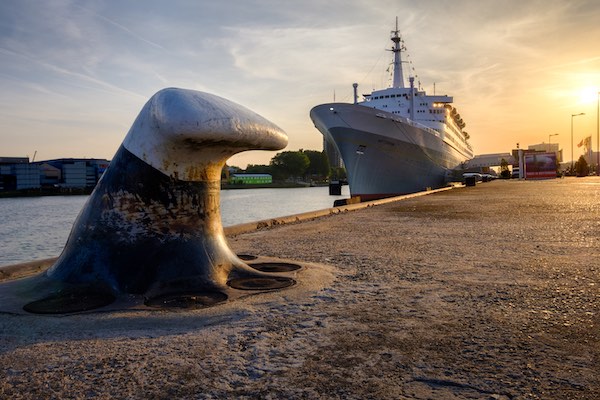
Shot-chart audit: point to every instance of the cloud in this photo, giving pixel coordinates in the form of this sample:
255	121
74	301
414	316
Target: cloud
291	54
120	27
103	59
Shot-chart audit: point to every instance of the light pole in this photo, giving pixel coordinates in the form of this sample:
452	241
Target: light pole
573	115
549	136
598	134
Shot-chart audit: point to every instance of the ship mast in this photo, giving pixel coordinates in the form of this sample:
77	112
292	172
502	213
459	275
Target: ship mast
398	48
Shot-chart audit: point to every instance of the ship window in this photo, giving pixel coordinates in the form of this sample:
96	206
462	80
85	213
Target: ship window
393	95
387	97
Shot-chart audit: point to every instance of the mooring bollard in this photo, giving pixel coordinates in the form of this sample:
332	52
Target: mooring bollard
335	188
152	227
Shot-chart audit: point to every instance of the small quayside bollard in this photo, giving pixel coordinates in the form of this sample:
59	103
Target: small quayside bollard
152	227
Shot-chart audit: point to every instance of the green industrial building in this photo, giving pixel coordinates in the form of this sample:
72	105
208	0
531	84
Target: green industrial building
250	179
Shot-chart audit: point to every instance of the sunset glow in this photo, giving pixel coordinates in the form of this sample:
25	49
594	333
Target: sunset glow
589	94
74	75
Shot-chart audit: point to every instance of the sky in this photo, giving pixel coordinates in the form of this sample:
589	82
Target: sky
75	74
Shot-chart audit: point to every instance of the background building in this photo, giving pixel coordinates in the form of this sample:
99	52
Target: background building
250	179
17	173
591	157
482	161
548	148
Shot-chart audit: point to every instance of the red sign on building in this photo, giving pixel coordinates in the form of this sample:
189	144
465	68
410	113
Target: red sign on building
540	165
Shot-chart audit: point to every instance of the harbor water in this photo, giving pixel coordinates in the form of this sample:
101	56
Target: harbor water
34	228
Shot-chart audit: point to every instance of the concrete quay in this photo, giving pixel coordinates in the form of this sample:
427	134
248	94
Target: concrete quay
486	292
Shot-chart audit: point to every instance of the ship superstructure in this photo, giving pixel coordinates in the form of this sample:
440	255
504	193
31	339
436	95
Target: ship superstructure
397	140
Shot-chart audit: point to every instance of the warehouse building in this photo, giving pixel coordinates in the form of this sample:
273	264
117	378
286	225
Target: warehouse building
250	179
17	173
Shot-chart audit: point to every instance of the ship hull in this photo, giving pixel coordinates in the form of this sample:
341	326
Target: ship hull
384	155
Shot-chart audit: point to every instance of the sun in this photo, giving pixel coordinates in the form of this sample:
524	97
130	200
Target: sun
589	94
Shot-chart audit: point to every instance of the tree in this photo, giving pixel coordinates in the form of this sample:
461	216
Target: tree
504	171
319	164
581	167
227	170
259	169
289	164
338	174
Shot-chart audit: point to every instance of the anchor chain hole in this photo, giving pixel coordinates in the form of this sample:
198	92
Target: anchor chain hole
71	300
275	266
262	283
193	300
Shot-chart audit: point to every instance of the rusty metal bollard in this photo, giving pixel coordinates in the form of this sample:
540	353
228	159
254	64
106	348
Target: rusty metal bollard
152	227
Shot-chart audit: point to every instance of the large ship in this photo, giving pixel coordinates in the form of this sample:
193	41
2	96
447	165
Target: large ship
396	140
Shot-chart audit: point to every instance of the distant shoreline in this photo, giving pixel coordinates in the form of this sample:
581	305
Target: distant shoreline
86	191
46	192
274	185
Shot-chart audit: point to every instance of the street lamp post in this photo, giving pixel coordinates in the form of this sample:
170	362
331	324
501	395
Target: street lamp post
598	134
573	115
549	136
550	149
